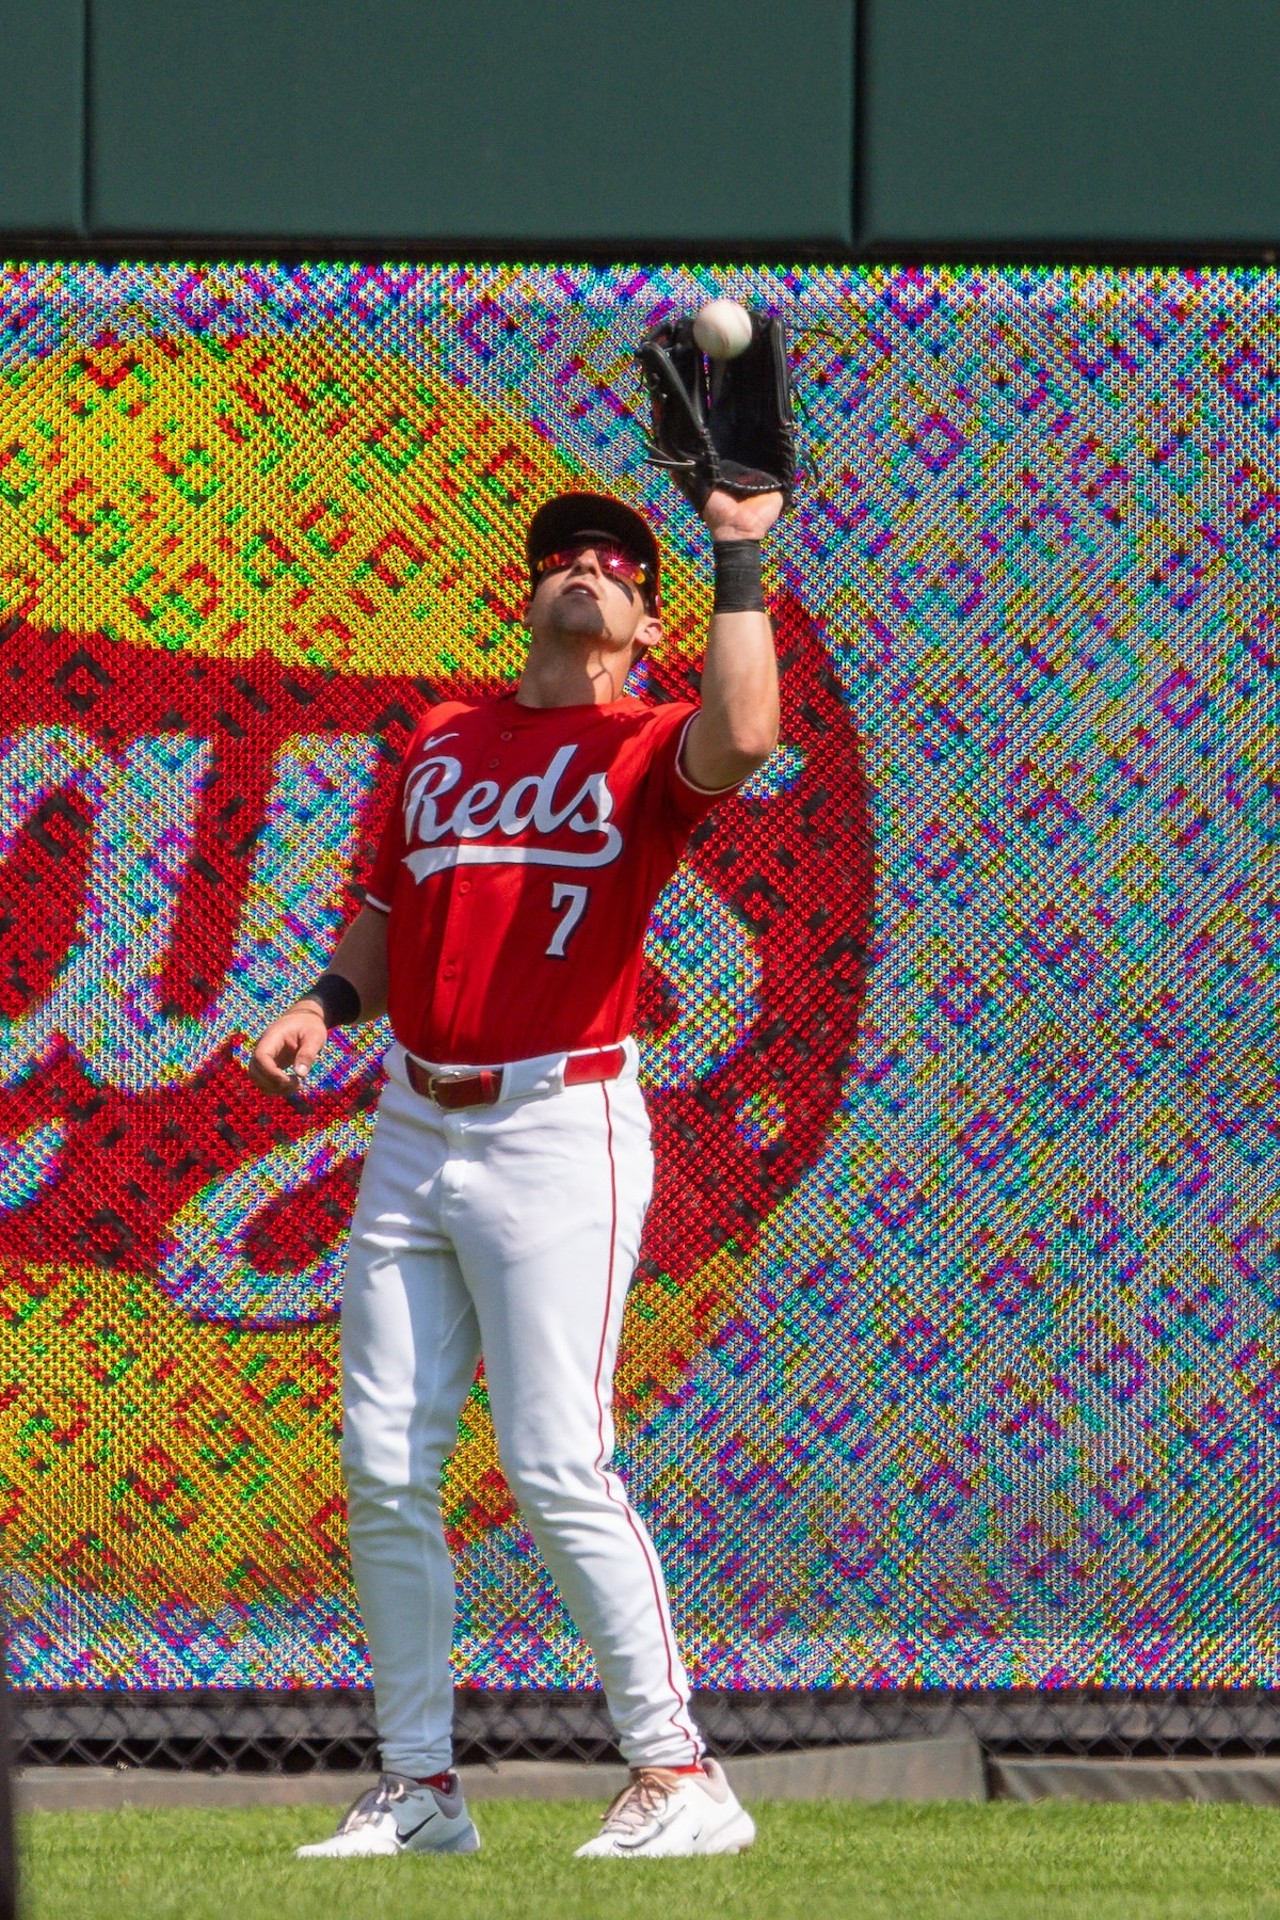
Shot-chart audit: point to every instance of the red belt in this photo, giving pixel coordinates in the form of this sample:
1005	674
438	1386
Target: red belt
484	1089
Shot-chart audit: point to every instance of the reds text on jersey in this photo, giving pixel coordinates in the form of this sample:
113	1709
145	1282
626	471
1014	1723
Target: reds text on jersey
524	850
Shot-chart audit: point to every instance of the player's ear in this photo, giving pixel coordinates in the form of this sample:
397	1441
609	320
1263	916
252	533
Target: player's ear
526	618
648	634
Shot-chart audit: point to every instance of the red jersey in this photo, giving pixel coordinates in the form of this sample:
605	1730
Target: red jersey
524	850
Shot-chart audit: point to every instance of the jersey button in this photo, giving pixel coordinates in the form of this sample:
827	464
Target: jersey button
464	886
506	736
449	971
493	764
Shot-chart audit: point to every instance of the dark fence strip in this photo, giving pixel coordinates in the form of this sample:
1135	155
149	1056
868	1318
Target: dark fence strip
298	1732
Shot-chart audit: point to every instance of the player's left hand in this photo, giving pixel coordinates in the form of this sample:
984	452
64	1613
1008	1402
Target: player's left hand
731	516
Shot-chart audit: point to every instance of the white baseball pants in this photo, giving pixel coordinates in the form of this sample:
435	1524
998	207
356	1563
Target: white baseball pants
512	1230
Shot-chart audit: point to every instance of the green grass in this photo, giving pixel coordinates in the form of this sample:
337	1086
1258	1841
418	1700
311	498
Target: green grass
997	1862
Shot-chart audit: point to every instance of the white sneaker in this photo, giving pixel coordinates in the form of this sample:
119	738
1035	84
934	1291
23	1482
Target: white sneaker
399	1816
664	1814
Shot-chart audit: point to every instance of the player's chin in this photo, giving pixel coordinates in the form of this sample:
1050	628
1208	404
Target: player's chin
577	613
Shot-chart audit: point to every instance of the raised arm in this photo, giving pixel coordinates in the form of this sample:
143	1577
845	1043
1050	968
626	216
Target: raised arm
295	1040
736	728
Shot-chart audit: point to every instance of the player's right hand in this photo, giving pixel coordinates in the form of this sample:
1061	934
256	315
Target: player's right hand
288	1050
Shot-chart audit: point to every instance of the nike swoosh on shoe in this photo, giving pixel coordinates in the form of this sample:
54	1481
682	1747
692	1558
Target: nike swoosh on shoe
658	1825
405	1837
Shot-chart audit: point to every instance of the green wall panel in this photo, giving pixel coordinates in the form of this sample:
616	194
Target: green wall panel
556	124
41	49
1057	121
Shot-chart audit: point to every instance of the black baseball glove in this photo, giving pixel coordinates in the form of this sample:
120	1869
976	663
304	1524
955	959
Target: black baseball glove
730	424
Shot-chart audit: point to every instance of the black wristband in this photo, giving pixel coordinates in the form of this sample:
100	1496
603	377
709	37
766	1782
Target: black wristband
739	581
339	1001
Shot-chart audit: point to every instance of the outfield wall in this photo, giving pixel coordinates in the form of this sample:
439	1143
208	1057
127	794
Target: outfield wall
625	128
952	1358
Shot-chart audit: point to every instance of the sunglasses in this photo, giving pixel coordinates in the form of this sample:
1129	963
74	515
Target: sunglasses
613	560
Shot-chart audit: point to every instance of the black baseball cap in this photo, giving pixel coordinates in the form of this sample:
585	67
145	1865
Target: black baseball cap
559	522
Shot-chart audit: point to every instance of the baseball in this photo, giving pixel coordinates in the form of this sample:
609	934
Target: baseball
722	329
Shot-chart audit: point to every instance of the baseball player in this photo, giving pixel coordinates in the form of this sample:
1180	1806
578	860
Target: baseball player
505	1187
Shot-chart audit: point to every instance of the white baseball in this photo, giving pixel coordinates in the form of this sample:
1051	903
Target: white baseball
722	329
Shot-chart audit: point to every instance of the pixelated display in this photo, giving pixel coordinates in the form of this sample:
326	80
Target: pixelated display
952	1359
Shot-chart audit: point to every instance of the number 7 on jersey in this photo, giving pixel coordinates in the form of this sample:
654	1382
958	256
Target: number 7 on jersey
574	901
